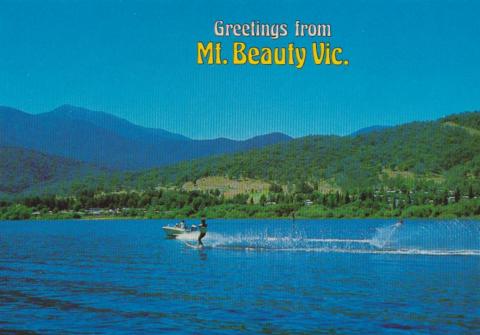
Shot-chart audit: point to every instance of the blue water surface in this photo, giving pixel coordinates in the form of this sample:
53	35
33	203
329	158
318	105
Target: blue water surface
252	277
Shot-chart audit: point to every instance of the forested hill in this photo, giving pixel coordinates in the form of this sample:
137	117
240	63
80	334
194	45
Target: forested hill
446	152
24	170
447	149
468	119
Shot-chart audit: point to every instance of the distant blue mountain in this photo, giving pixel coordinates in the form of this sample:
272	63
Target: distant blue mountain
112	123
108	141
368	130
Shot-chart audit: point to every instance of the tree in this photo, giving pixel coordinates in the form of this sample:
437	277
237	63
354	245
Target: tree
304	188
197	204
457	195
347	198
275	188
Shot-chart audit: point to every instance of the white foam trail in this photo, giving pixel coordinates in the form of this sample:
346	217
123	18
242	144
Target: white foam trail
384	235
383	242
210	237
473	252
424	252
338	240
240	241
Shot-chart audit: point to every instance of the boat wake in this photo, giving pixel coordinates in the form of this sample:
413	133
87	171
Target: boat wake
384	241
431	252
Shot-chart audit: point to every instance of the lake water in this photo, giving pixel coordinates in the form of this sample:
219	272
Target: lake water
252	277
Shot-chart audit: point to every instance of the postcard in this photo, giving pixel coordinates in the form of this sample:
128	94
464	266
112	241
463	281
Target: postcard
239	167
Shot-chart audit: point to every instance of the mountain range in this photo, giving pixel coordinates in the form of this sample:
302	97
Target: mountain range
110	142
52	150
445	153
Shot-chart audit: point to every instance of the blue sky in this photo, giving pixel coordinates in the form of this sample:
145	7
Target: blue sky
409	60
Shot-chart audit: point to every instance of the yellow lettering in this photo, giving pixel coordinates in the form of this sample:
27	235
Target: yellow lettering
252	53
204	52
318	55
335	61
239	56
266	57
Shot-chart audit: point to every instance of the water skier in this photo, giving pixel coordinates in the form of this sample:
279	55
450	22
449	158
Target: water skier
203	230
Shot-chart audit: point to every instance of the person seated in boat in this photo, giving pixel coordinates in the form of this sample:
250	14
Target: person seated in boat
203	230
181	225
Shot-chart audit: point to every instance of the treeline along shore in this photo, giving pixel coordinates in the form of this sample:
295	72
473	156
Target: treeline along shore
305	202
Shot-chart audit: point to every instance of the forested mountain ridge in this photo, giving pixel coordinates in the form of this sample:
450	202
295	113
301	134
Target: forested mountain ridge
368	130
23	169
467	119
426	150
443	151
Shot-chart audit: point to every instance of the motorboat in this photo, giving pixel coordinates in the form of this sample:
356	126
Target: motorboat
178	229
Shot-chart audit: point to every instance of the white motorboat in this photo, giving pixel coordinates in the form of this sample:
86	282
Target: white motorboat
178	229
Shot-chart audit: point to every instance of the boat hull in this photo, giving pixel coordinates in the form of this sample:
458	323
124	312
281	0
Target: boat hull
173	231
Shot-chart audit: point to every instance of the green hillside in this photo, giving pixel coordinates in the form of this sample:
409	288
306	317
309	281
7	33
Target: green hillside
23	170
468	120
420	151
425	151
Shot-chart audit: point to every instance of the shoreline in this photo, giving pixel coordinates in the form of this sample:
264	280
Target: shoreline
462	209
124	218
